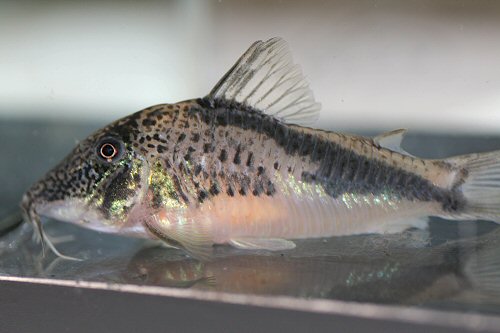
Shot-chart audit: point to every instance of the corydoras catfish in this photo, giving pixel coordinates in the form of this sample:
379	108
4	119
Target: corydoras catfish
240	167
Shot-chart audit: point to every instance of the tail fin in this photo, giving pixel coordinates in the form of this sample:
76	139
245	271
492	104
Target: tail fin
482	270
478	179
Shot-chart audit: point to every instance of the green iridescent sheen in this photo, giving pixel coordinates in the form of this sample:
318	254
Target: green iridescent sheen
163	188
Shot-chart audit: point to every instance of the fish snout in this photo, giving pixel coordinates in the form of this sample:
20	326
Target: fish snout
29	203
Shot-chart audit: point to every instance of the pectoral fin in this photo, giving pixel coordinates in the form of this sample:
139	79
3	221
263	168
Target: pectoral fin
192	236
272	244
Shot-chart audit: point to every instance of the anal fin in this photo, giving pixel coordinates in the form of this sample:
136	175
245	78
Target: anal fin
272	244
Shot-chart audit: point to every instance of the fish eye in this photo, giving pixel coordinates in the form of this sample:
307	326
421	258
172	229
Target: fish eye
109	149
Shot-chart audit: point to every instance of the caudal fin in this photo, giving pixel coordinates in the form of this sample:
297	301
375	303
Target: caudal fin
482	270
478	179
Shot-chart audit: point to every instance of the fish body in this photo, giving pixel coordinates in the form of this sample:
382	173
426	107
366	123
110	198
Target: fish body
241	167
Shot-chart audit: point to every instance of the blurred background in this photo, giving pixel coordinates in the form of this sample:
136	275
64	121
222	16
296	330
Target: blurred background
429	65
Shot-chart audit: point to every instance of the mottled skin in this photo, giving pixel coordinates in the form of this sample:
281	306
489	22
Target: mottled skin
176	158
111	188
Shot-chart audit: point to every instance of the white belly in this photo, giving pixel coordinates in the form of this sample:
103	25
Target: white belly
310	215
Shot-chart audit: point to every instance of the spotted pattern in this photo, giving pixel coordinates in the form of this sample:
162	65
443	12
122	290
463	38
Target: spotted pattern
199	149
318	160
105	186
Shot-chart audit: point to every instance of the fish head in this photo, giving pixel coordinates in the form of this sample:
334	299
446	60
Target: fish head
97	184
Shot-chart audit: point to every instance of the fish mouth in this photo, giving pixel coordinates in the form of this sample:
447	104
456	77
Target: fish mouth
32	210
78	212
34	206
28	210
30	214
70	210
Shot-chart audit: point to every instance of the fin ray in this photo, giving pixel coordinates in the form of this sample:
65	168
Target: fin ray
479	182
266	79
483	271
195	238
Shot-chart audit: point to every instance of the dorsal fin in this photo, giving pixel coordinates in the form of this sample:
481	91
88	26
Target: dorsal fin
392	140
266	79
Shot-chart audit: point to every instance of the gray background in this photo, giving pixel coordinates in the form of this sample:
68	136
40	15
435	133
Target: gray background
426	64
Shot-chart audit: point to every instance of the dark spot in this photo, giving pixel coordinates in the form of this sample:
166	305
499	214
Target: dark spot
151	145
276	165
178	188
250	159
181	137
270	188
308	177
223	155
161	149
260	170
148	122
230	191
196	137
258	189
197	169
237	157
214	189
202	195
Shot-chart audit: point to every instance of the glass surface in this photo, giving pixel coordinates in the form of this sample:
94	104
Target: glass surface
452	265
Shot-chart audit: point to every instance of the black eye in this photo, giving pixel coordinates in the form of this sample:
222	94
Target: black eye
109	149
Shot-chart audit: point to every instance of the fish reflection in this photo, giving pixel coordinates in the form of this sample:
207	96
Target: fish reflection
364	269
402	276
